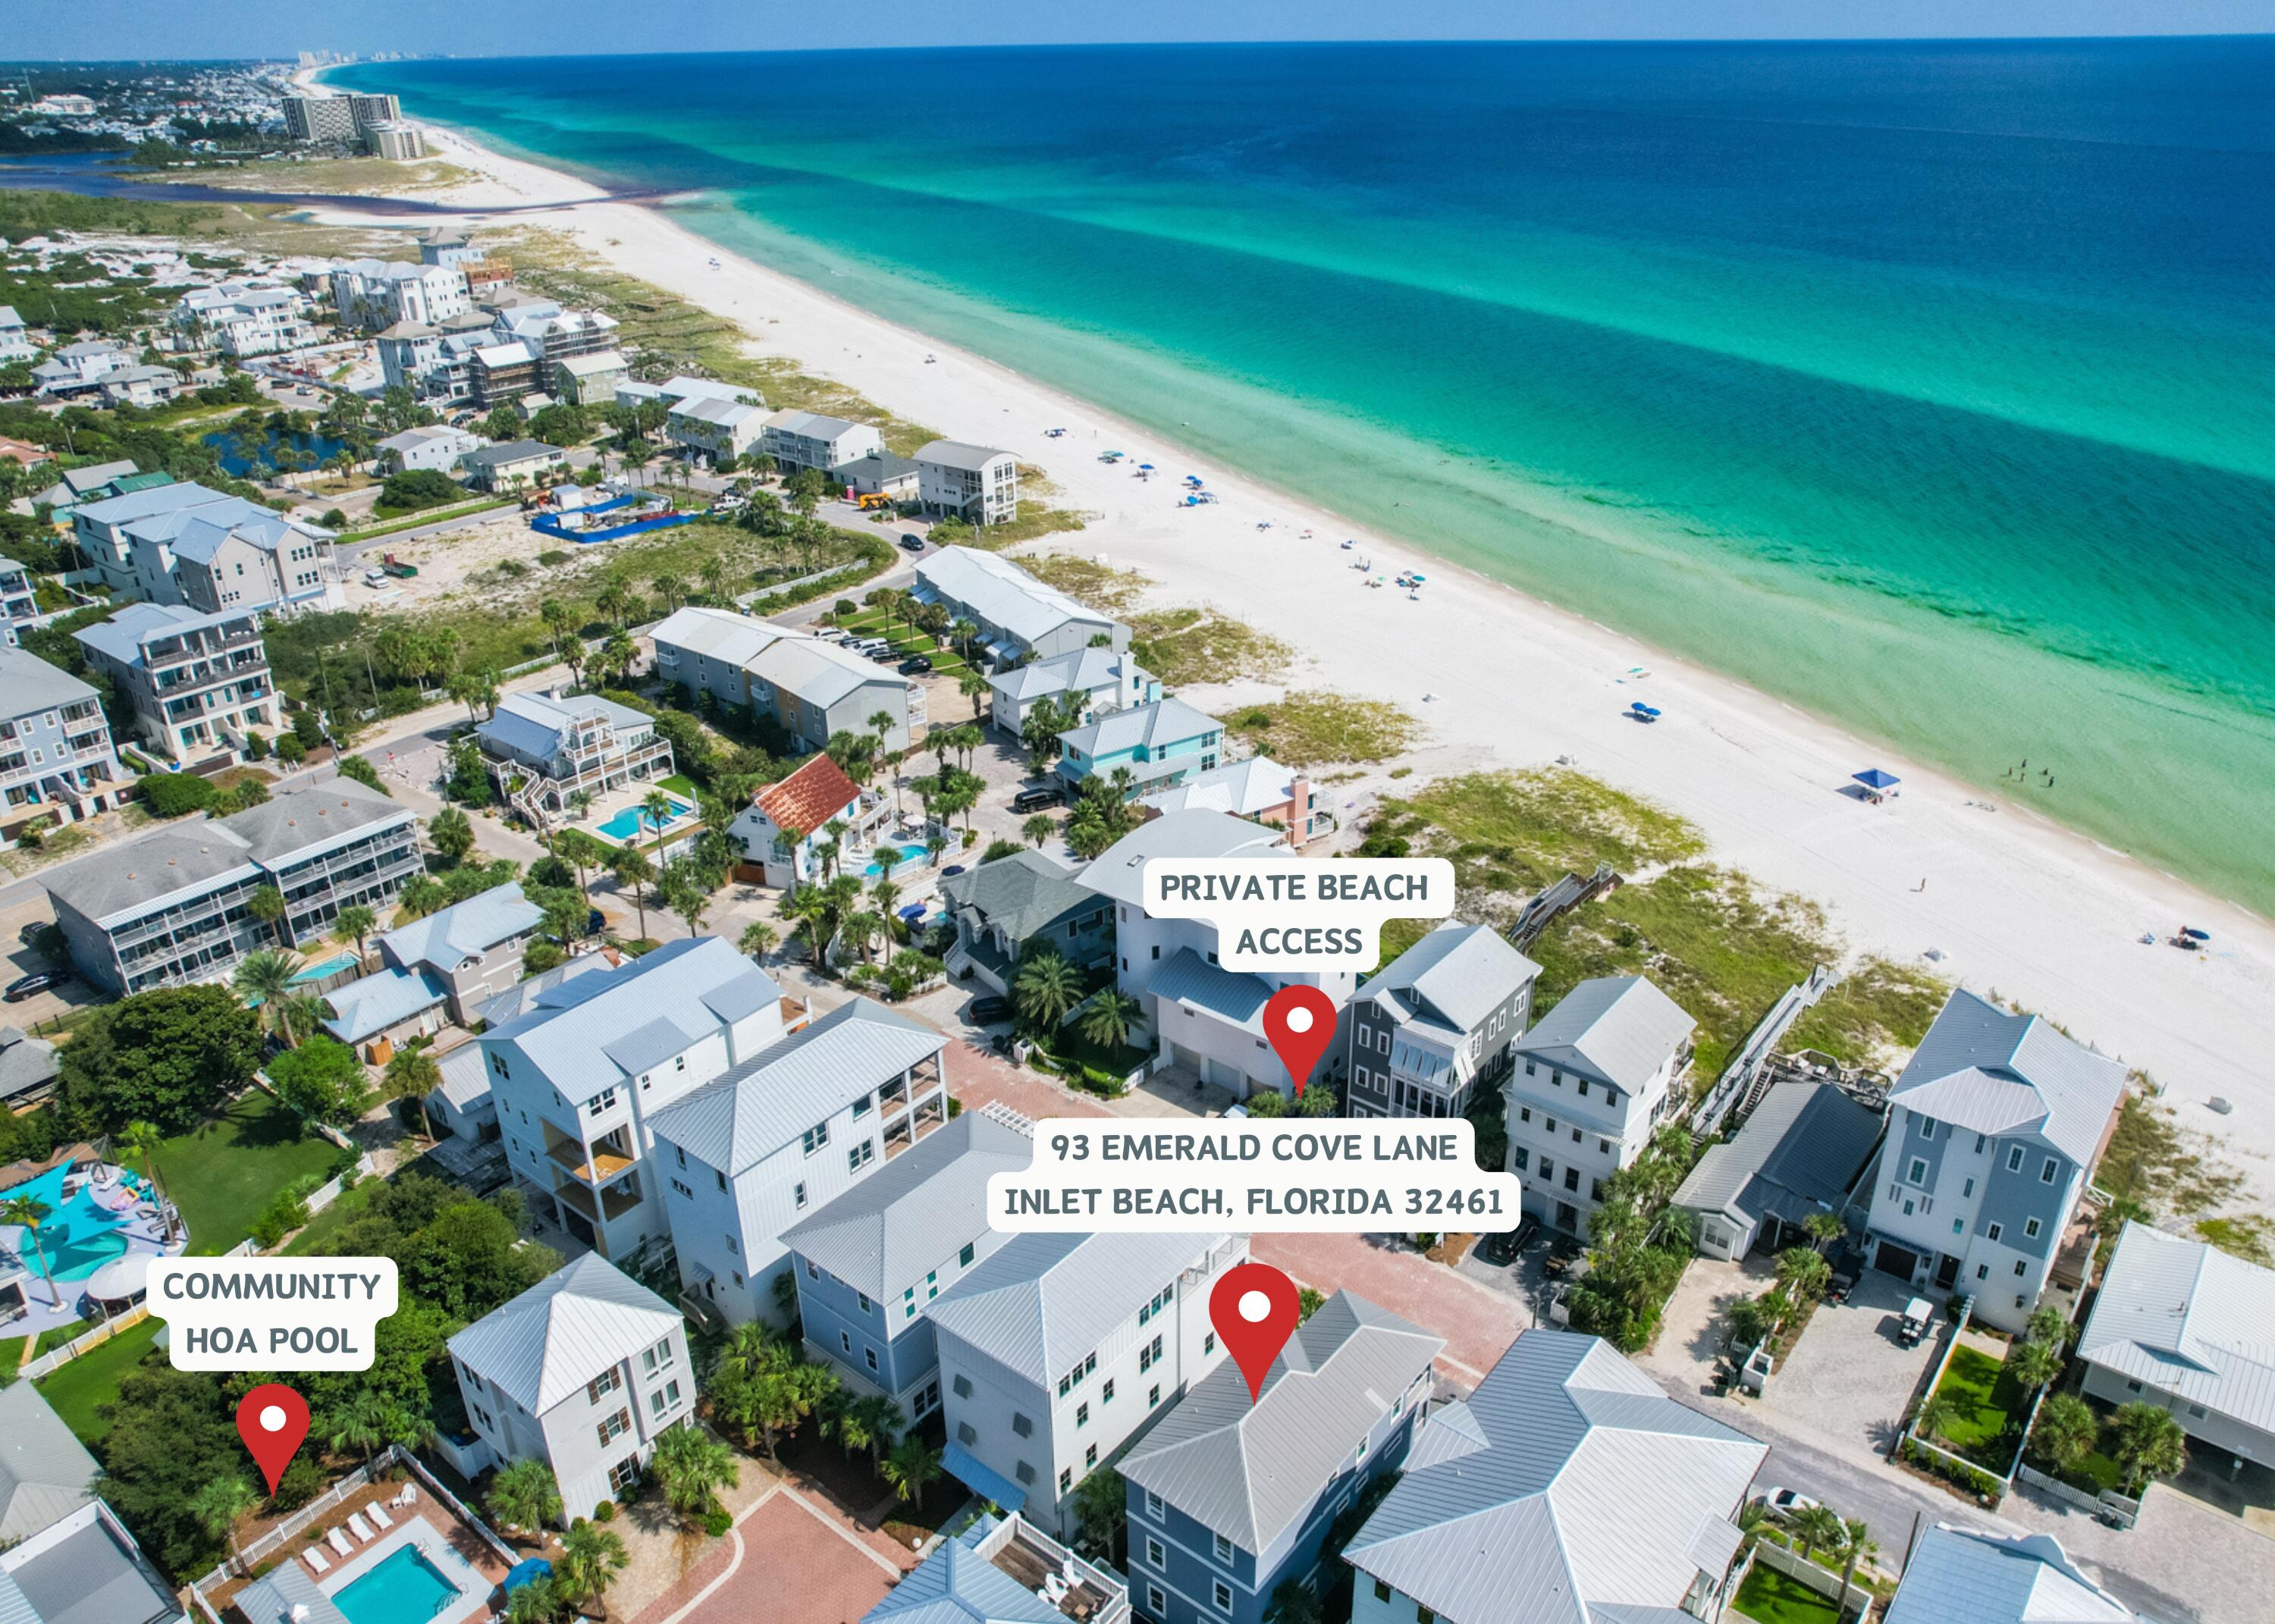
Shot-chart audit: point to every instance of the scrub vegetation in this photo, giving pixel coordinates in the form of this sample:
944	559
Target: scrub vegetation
1201	646
1087	581
1317	725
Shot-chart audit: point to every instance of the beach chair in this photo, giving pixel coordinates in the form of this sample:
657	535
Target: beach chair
411	1494
360	1529
378	1514
316	1561
337	1539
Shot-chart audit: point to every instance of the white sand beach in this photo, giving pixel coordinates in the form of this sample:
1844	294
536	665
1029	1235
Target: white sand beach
2049	919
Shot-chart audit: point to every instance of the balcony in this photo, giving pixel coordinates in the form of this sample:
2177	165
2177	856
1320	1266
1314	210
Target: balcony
1040	1564
604	1167
611	1205
907	1130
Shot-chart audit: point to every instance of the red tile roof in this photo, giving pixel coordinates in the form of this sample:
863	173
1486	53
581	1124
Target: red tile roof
810	797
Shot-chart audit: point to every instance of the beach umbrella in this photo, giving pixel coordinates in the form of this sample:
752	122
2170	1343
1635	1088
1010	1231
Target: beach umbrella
121	1278
2195	934
527	1573
1148	467
1873	778
914	910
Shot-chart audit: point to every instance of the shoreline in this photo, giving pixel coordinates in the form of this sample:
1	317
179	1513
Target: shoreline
2017	902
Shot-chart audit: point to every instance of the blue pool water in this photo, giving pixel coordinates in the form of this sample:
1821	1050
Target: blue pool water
909	854
82	1235
632	821
405	1589
329	967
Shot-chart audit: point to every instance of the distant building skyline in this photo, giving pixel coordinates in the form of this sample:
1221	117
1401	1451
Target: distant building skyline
159	30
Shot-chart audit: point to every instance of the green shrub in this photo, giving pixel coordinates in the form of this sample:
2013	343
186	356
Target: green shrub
419	487
302	1482
551	557
716	1524
175	794
605	1511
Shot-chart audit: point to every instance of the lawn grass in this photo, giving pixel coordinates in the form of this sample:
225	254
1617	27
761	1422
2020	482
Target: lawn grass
1316	725
876	624
343	1211
417	517
222	1173
1984	1399
93	1379
50	1340
1877	1006
1771	1597
679	783
1031	522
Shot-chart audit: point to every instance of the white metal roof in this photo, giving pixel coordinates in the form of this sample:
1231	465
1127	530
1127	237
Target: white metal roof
2185	1317
563	1332
1620	1028
1119	871
1960	1573
2011	1074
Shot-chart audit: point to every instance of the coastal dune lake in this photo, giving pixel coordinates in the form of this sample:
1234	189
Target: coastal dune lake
1930	388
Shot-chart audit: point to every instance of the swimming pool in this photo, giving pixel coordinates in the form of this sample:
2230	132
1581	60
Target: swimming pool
80	1234
630	822
403	1588
909	854
329	967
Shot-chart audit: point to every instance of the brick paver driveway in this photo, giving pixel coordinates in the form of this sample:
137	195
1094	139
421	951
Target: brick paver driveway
783	1560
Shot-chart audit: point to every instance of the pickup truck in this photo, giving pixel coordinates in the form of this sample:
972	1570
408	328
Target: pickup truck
392	565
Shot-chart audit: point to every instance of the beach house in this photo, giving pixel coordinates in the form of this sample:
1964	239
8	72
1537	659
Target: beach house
812	688
501	467
197	683
56	755
1962	1573
64	1556
463	1107
438	968
1158	744
99	522
583	1372
15	340
74	368
786	826
1016	615
437	447
722	430
1439	1024
232	555
244	319
1993	1128
1229	1500
1059	1348
975	483
799	440
1801	1151
578	1078
541	749
1086	684
870	1263
1259	789
372	294
1568	1486
780	1135
1021	899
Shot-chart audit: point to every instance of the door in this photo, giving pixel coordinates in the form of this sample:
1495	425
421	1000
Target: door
1900	1261
1946	1272
1567	1219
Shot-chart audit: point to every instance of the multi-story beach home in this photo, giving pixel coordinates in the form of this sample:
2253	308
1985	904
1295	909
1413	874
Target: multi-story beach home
1592	1080
372	294
18	600
579	1077
1159	745
1604	1499
64	1556
233	555
1023	900
813	688
583	1372
172	908
1259	789
799	440
543	748
1090	683
75	369
15	338
590	379
497	467
1229	1500
881	474
438	968
1801	1151
437	447
786	826
1964	1573
244	319
2181	1325
1993	1128
972	482
449	244
784	1132
99	521
1439	1024
1206	1021
56	755
197	683
1016	615
871	1262
1059	1348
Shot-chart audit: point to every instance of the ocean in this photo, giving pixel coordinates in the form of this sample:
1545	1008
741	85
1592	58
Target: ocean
1930	388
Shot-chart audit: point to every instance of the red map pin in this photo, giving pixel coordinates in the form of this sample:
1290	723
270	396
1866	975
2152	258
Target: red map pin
1299	1021
1254	1308
272	1419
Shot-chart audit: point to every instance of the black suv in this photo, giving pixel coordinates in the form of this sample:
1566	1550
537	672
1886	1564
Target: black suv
1036	799
1501	1249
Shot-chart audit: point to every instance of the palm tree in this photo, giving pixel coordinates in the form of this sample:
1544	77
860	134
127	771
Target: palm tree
141	1140
423	896
871	1422
691	1466
1045	989
217	1507
1935	1416
893	761
523	1495
1039	828
264	979
27	1212
757	939
882	723
412	1074
1819	1525
670	588
858	929
713	575
633	871
355	924
267	904
2066	1431
591	1558
1107	1020
2033	1364
1860	1547
2149	1443
835	829
364	1423
973	687
1823	1228
911	1470
537	1601
887	858
960	634
935	844
659	809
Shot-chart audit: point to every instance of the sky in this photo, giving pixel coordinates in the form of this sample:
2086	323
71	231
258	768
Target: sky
108	30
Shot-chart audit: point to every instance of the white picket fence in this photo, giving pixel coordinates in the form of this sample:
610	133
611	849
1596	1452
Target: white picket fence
56	1357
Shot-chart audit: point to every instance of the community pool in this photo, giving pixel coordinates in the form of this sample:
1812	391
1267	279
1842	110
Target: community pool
329	967
632	822
81	1234
908	855
405	1588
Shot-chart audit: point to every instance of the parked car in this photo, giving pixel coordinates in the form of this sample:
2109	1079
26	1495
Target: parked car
916	665
1035	799
988	1010
1786	1503
952	869
39	981
914	544
374	578
886	655
1501	1249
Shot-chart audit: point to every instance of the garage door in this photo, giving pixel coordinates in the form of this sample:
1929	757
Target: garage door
1222	1074
1901	1261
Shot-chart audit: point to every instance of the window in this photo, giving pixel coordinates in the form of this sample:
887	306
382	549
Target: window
865	1300
870	1354
1980	1141
2021	1267
1422	1615
1152	1505
683	1189
1025	1473
1066	1480
658	1357
1991	1234
2132	1386
1107	1397
1152	1396
1524	1113
2047	1173
607	1382
1223	1549
860	1155
816	1137
1155	1556
1518	1156
664	1398
1958	1225
811	1273
1927	1128
1023	1426
1208	1344
1547	1167
734	1246
1918	1173
845	1341
963	1258
1157	1604
1583	1088
1982	1271
1082	1414
861	1106
1571	1178
1220	1593
1967	1190
1603	1147
720	1177
1575	1136
963	1387
2015	1159
1381	1590
615	1427
1090	1457
2196	1410
964	1435
2031	1228
624	1474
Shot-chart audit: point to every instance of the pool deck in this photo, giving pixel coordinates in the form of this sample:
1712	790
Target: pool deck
615	801
444	1544
41	1312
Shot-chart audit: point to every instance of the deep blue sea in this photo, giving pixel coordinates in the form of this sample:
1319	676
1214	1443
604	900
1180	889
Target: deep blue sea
1927	387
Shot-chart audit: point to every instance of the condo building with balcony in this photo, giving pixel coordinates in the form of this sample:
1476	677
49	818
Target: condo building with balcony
543	748
175	908
56	758
196	682
18	600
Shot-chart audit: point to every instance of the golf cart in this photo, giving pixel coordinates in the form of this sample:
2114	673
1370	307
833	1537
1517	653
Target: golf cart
1918	1313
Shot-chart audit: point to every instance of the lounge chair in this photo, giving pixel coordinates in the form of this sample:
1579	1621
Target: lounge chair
378	1514
360	1529
337	1539
411	1494
316	1561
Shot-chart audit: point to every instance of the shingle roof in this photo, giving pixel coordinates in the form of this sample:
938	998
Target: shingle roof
891	1229
2188	1317
1620	1028
1957	1573
1164	722
1247	1471
1462	971
563	1332
1589	1491
957	1585
45	1472
749	1111
809	797
1118	871
1020	894
1799	1152
2011	1076
1002	594
1044	1301
25	1063
449	937
369	1005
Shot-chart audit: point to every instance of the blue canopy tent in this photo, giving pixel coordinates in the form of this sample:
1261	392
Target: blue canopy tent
1873	778
1643	713
527	1573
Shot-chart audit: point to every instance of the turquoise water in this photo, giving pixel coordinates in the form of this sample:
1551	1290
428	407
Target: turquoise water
329	967
1924	386
80	1234
405	1588
628	822
908	855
